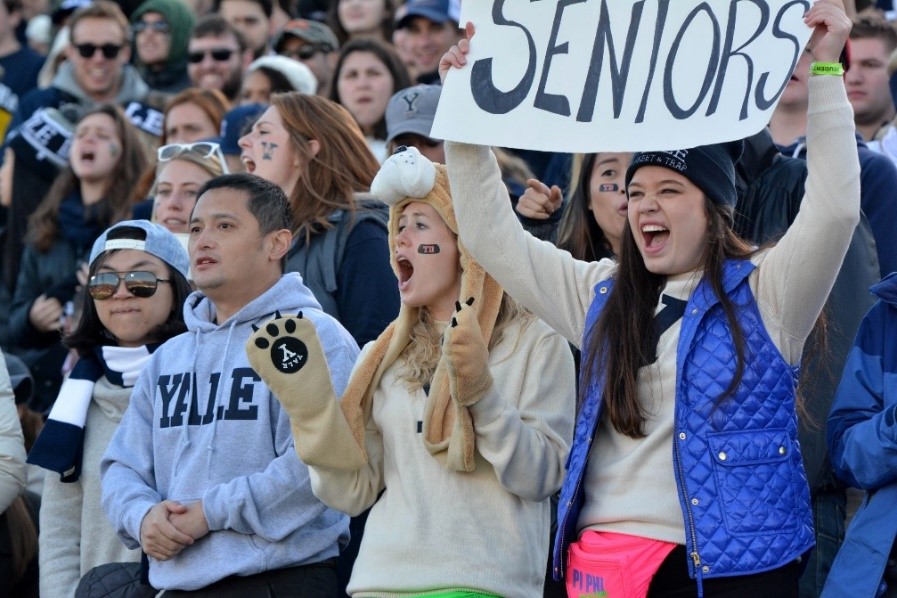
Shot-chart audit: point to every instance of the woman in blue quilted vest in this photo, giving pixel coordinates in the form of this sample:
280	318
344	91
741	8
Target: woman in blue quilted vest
685	475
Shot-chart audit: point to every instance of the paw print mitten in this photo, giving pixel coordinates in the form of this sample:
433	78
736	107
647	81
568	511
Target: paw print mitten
287	355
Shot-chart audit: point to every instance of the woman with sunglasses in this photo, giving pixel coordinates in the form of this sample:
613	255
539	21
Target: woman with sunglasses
313	149
133	302
685	474
182	168
105	160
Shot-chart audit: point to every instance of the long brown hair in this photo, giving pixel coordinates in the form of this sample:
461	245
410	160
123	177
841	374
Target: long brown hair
115	205
343	166
625	338
578	232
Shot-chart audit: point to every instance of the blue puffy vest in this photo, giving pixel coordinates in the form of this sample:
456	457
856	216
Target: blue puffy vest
742	488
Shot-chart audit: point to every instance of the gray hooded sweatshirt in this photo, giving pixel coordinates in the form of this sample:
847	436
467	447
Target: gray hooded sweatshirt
202	426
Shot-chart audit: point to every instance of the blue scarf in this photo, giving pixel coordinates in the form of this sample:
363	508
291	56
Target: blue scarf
80	225
60	446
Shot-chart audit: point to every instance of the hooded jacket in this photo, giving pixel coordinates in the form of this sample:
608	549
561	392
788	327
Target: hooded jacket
171	76
862	438
227	444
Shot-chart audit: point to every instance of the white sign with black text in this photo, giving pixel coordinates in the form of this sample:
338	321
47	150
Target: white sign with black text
620	75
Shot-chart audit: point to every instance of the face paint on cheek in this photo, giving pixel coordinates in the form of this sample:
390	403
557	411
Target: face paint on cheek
608	187
428	249
268	150
113	150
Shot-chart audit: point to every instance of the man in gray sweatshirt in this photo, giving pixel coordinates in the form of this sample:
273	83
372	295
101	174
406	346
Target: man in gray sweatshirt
202	472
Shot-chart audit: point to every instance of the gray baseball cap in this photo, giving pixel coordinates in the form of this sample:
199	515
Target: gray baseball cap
310	31
159	242
412	110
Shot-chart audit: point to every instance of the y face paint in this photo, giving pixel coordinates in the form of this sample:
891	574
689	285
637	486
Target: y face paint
268	150
425	249
608	188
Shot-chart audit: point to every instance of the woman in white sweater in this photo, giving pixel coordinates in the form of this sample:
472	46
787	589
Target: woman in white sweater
685	475
459	415
132	302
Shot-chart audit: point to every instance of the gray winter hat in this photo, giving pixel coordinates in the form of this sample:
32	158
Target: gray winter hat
159	242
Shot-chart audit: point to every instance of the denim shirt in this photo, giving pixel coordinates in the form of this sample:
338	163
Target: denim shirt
742	488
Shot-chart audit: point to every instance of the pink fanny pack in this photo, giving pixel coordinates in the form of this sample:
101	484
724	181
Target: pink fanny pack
609	565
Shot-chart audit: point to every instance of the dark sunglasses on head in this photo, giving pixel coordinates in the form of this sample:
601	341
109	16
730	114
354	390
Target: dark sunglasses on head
303	52
218	55
157	26
110	51
139	283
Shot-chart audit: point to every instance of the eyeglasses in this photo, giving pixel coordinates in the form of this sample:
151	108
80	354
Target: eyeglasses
218	55
157	26
139	283
203	149
110	51
304	52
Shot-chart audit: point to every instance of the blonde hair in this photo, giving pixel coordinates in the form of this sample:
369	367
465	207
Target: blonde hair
210	165
424	349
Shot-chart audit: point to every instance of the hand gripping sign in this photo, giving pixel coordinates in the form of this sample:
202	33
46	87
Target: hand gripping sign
620	75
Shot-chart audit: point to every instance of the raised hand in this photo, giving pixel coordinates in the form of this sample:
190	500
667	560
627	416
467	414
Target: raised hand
467	356
831	26
457	54
287	355
539	201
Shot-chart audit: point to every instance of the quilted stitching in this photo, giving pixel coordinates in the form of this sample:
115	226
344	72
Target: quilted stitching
740	459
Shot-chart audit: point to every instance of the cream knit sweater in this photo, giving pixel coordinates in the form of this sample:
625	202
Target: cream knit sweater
487	530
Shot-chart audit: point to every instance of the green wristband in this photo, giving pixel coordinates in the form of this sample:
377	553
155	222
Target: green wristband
827	68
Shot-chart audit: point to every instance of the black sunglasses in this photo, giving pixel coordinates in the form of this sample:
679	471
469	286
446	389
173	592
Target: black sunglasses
157	26
218	54
110	51
139	283
303	52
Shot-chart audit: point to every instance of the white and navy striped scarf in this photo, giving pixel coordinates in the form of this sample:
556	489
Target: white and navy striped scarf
60	445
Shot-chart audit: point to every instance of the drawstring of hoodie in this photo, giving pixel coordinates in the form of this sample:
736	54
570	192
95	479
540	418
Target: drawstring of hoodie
184	440
210	449
799	147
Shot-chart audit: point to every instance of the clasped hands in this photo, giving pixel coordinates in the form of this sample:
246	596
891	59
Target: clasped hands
170	526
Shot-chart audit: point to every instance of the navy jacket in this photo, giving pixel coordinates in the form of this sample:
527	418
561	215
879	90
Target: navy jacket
862	438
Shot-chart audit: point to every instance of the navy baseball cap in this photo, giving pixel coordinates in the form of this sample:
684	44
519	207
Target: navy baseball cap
438	11
232	126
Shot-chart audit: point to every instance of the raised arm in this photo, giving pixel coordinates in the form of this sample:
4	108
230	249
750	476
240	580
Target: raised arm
796	276
547	281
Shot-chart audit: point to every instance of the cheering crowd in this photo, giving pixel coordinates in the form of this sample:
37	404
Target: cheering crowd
263	334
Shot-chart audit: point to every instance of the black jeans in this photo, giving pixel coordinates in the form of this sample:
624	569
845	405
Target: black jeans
672	581
317	580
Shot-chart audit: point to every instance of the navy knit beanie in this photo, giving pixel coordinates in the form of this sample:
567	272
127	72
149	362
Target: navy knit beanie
710	167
